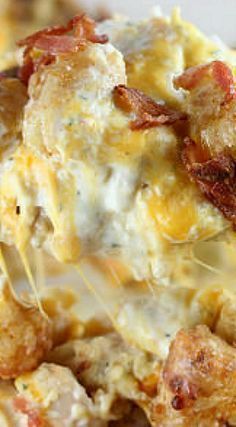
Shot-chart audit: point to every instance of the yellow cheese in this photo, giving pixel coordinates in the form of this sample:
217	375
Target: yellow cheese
151	70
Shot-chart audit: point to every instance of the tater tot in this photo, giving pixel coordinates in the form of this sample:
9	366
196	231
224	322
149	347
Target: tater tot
25	335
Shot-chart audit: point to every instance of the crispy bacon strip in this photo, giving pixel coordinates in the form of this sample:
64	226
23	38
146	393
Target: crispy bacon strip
148	112
216	70
83	26
55	40
216	177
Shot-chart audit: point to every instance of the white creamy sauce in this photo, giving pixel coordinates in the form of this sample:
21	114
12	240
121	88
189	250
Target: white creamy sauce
117	192
152	323
127	36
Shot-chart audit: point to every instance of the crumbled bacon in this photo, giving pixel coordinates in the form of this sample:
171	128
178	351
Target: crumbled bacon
23	406
216	177
148	112
55	40
216	70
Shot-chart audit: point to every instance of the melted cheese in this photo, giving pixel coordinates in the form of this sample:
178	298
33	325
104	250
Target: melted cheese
88	185
158	319
157	49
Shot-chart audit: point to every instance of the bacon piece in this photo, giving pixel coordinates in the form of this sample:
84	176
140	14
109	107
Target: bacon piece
23	406
83	26
149	113
53	41
50	31
216	70
216	177
55	45
85	29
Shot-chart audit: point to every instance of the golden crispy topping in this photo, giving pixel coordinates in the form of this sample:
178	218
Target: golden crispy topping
200	365
209	161
25	336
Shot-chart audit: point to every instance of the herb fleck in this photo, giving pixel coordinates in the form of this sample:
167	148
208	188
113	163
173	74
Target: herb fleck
115	245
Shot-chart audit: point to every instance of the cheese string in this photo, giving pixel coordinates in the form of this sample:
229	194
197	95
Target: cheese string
5	271
92	289
40	276
114	275
203	264
32	282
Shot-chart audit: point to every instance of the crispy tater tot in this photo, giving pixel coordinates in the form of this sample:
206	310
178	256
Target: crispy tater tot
198	382
209	151
210	104
25	335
